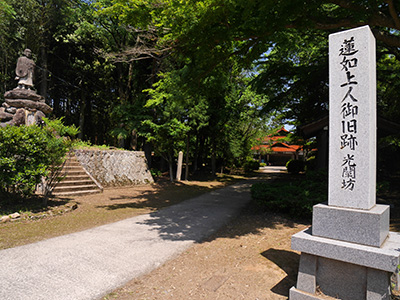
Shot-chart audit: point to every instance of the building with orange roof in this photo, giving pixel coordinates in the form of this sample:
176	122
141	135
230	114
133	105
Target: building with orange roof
276	150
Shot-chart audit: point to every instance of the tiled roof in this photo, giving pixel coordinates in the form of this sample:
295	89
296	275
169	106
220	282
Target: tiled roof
272	138
279	147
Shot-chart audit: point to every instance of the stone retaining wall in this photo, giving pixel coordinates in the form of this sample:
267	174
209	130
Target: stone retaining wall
116	167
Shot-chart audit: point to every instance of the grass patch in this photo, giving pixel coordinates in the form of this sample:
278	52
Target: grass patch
294	196
86	145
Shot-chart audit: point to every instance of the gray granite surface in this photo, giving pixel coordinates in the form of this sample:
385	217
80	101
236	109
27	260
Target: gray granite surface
306	279
385	258
366	227
352	118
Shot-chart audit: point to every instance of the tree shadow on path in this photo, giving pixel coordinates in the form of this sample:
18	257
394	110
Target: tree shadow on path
198	218
289	262
161	196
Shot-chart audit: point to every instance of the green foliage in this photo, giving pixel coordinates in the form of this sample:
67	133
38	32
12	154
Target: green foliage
295	198
311	164
219	110
26	154
59	129
79	144
295	166
295	78
382	187
389	154
155	172
251	165
147	69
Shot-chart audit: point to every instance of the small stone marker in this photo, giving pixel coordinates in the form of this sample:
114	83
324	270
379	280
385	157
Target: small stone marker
352	119
30	118
349	253
179	169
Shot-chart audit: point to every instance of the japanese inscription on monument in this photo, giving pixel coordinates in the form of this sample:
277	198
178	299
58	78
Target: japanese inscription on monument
352	118
349	112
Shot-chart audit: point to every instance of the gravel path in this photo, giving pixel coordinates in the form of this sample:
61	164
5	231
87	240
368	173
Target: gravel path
91	263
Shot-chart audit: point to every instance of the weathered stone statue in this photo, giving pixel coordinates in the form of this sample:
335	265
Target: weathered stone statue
23	106
25	70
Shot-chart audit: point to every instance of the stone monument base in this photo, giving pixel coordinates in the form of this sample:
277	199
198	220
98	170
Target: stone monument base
365	227
332	269
22	107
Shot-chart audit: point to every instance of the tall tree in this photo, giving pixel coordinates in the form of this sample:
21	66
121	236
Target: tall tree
7	16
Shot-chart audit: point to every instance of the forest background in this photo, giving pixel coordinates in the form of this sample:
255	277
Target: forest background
204	77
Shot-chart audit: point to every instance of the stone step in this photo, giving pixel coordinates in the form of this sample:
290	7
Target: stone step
74	188
67	168
75	180
77	177
72	164
70	182
77	172
76	193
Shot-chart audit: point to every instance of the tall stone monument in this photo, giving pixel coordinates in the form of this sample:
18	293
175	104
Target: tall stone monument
349	253
23	106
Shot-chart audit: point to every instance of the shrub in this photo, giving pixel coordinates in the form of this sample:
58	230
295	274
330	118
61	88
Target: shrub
58	129
294	166
27	154
251	165
263	164
79	144
155	172
311	164
295	198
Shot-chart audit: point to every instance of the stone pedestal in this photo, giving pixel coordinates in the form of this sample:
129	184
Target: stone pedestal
344	270
365	227
23	107
347	254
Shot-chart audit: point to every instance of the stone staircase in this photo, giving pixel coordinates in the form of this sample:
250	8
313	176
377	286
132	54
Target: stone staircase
76	180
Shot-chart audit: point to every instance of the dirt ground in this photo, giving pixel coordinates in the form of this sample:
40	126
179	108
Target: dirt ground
249	258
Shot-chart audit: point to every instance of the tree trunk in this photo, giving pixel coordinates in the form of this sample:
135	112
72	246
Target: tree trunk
43	84
171	168
213	159
90	129
130	80
134	140
196	155
121	143
162	164
200	152
121	86
122	98
187	158
82	117
147	153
